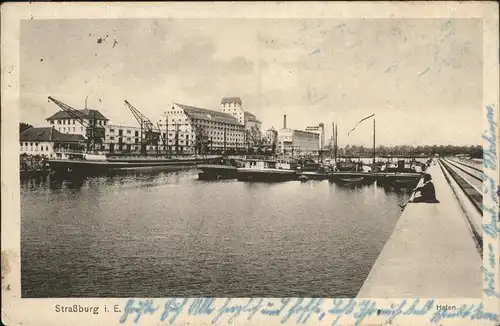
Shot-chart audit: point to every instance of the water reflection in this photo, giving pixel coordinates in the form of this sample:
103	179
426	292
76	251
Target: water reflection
123	234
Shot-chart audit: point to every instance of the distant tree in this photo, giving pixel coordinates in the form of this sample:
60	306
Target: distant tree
24	126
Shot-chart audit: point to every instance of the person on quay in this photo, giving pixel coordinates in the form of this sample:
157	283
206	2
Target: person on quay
427	192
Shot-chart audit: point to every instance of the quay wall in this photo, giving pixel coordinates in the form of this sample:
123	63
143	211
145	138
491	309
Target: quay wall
431	252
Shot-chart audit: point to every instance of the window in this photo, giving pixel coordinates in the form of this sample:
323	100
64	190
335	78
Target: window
111	130
129	131
104	122
73	128
73	121
51	122
120	132
58	122
137	133
112	138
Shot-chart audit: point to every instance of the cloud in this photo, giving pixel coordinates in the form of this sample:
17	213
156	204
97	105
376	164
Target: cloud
305	67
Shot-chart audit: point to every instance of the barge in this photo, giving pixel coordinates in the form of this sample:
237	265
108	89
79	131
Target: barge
403	175
225	169
352	177
268	170
88	164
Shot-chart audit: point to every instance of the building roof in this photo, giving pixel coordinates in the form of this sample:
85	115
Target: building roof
208	115
48	134
252	116
231	100
85	113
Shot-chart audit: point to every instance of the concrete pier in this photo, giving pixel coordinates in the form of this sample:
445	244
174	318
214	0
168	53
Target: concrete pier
431	252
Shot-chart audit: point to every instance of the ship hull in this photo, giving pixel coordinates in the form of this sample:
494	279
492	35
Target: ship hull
87	167
266	175
312	176
352	177
216	172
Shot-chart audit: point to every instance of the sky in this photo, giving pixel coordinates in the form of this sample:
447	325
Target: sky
422	78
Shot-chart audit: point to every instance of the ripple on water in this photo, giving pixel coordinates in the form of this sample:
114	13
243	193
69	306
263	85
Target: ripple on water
166	233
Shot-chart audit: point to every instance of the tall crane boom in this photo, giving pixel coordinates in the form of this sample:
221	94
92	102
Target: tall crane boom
150	133
95	133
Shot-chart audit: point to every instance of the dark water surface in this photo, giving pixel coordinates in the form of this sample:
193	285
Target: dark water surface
164	234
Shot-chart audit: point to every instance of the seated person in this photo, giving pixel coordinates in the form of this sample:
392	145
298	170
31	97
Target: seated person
427	191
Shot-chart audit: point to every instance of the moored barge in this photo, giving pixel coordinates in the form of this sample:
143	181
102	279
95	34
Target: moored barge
268	170
225	169
88	164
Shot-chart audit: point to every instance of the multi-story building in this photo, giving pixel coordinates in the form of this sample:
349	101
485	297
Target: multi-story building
67	124
123	139
234	106
50	143
183	126
297	142
319	129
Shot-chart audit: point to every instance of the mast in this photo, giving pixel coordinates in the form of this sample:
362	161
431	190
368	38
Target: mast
374	142
333	140
225	127
336	140
165	140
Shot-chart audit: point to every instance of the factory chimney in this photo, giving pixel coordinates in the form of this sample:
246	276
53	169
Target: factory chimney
284	121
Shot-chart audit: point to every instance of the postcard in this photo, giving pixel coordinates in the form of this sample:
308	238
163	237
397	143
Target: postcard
250	163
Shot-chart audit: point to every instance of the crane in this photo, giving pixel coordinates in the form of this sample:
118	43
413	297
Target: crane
94	133
150	134
253	135
201	137
163	136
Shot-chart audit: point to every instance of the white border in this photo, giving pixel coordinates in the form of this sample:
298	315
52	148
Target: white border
41	311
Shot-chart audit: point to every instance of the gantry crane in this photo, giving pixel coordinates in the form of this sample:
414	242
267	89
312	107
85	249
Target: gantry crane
94	133
150	134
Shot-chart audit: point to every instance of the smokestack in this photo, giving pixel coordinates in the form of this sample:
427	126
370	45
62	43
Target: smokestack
284	121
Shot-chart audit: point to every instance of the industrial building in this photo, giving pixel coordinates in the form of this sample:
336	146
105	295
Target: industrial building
49	142
65	123
319	129
253	126
297	142
122	139
185	127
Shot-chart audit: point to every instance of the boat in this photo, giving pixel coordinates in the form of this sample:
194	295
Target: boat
351	177
310	170
89	164
268	170
405	174
225	169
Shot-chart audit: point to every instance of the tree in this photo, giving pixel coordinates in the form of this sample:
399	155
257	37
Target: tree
24	126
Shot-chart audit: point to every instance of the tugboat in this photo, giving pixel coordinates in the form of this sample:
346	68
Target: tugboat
268	170
225	169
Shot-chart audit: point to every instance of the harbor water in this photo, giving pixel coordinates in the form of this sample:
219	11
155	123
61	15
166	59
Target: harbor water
167	234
